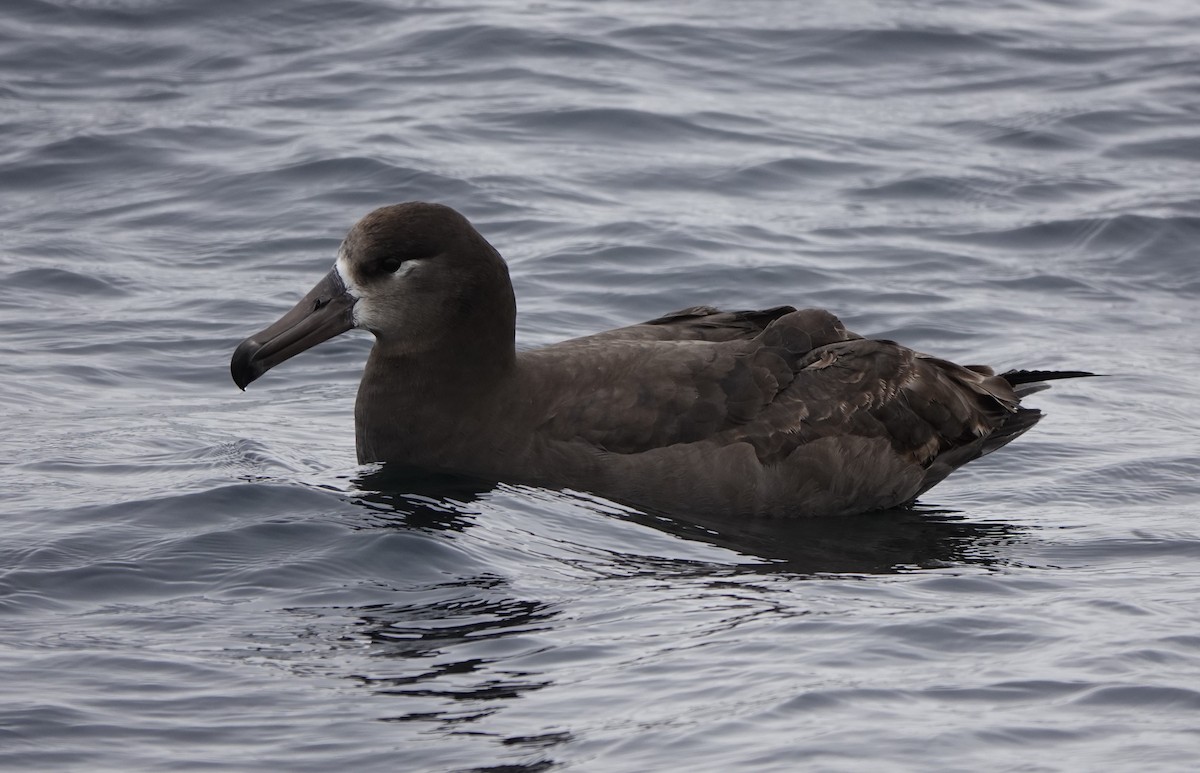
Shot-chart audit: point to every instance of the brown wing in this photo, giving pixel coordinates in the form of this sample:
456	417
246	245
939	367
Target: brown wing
629	393
870	388
696	323
802	378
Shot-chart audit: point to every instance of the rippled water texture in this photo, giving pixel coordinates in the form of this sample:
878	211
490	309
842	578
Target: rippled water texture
196	578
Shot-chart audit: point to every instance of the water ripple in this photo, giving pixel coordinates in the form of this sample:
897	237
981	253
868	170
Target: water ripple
197	577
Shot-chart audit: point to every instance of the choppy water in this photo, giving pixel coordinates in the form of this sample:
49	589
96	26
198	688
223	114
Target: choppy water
196	578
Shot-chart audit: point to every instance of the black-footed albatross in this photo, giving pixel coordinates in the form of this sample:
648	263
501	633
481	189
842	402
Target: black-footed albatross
772	412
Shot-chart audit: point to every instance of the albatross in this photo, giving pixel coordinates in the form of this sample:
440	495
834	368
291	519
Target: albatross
779	412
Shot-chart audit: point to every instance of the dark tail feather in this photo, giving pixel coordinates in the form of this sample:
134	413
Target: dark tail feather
1026	382
1015	377
1023	382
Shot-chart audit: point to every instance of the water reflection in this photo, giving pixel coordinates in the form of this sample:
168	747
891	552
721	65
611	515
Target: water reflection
462	651
441	654
424	501
874	543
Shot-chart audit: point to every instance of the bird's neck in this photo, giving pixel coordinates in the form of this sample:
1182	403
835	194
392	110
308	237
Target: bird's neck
414	401
448	369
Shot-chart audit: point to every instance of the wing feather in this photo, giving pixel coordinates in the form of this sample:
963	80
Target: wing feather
780	381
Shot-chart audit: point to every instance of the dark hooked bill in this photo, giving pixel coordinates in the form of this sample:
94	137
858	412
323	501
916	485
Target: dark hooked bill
326	311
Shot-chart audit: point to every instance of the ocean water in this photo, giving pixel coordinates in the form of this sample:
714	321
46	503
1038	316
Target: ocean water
193	578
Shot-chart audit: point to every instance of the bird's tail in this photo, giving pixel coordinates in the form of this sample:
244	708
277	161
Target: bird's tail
1026	382
1023	382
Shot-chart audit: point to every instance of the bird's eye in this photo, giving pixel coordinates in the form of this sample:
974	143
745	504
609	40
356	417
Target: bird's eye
391	264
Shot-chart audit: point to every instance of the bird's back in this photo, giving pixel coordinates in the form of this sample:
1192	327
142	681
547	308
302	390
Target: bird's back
779	411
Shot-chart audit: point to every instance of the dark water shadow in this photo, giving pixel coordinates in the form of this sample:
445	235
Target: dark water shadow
447	654
402	498
446	659
886	542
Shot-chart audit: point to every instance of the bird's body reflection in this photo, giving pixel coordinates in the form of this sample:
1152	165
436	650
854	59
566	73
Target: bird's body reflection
522	619
872	543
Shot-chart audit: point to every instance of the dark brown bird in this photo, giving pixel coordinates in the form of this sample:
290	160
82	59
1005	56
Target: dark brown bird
773	412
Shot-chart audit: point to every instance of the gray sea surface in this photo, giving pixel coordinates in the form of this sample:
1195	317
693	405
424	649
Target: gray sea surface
195	578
